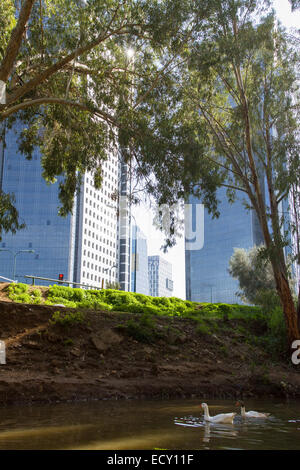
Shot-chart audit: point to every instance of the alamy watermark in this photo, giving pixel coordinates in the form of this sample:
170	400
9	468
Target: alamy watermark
296	354
2	353
192	216
194	226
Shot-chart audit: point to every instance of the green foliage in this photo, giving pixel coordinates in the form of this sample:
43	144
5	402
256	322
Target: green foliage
276	323
67	319
263	326
113	285
225	309
8	213
22	298
203	328
142	329
269	332
20	293
68	342
7	23
16	289
268	300
276	338
87	42
253	272
116	300
65	292
61	301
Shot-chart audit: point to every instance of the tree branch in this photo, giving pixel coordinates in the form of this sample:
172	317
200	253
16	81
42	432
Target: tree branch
15	41
34	82
236	188
51	100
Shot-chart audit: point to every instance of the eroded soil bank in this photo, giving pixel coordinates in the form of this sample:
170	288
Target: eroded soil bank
99	359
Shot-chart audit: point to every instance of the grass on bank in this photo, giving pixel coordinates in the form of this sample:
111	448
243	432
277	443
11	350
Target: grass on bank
255	325
130	302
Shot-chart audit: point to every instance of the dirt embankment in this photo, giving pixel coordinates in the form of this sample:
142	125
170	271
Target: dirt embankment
98	359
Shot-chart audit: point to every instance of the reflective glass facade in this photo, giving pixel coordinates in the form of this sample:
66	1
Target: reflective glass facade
50	237
84	246
207	277
139	264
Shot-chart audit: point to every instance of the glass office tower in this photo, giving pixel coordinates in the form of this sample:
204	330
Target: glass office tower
46	244
139	262
207	277
84	246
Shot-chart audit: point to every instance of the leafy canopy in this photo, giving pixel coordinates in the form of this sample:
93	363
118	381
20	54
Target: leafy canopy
69	81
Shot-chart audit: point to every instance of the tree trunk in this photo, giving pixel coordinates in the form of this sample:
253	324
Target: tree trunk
289	309
281	279
15	41
298	307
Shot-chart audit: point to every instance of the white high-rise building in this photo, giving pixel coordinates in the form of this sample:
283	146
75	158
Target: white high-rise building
97	233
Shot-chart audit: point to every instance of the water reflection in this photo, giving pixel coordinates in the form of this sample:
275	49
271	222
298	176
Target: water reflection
208	429
146	425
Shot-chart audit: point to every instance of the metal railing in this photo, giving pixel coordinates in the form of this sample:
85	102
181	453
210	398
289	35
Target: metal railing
7	279
62	282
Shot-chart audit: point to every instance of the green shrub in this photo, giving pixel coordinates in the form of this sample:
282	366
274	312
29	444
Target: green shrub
61	301
203	328
36	293
62	292
17	289
67	318
277	335
36	296
68	342
268	300
131	302
94	304
142	329
131	308
20	293
142	298
225	308
77	295
22	298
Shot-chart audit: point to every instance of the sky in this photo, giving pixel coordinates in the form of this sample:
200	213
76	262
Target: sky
144	215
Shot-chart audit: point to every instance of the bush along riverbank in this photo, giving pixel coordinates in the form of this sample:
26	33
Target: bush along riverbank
72	344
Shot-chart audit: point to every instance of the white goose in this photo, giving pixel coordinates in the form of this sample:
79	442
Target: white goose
221	418
250	414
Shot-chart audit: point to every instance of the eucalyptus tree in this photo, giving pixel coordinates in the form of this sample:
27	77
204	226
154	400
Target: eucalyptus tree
241	89
294	228
253	272
65	75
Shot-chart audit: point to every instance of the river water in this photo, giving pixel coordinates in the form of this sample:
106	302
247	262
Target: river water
143	425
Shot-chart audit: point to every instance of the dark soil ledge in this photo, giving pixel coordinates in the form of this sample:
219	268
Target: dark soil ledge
98	359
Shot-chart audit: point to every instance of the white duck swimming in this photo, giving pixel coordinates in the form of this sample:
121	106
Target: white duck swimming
250	414
221	418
